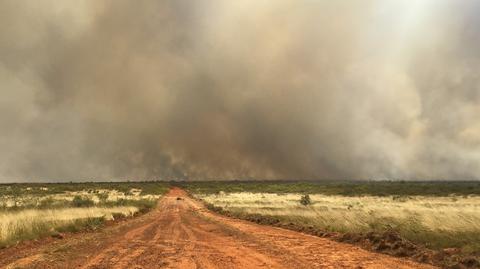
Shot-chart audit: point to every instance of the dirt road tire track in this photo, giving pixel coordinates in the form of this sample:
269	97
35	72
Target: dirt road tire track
183	234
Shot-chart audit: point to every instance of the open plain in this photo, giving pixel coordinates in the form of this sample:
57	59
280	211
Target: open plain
181	233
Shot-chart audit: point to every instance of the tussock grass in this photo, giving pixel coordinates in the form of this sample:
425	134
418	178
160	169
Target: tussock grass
35	223
30	211
41	189
437	222
99	197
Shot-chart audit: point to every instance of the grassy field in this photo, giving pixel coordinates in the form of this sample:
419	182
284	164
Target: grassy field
438	222
440	216
30	211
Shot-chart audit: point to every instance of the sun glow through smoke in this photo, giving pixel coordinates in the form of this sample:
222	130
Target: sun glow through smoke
240	89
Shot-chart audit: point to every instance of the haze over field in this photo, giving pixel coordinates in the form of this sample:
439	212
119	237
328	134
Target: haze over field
382	89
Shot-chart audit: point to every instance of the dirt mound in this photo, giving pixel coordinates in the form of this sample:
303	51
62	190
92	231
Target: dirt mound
388	242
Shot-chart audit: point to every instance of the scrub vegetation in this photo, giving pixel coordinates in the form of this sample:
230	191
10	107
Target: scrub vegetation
345	188
438	222
31	211
399	218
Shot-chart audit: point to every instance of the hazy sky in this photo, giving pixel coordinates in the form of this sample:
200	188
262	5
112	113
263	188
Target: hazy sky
277	89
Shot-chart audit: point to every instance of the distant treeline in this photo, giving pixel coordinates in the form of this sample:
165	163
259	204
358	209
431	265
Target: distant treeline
347	188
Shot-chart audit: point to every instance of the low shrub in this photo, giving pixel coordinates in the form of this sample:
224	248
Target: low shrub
305	200
79	201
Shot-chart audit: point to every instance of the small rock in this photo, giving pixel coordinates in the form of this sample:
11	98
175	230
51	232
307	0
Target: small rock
451	251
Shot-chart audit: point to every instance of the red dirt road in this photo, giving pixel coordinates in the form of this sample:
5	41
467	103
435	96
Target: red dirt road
183	234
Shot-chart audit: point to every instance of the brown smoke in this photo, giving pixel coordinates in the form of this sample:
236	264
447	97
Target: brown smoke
285	89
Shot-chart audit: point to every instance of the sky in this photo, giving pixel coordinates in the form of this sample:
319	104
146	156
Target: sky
253	89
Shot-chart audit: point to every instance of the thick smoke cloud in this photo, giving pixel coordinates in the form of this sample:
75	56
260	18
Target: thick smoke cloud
379	89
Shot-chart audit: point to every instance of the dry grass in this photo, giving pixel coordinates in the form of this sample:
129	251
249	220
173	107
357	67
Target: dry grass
61	199
438	222
32	223
35	213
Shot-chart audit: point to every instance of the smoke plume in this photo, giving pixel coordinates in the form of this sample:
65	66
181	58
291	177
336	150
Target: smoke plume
284	89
